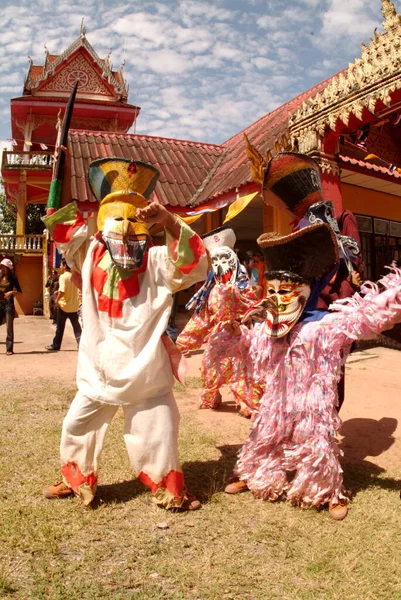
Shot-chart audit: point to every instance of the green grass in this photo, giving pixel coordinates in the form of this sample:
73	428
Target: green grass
235	548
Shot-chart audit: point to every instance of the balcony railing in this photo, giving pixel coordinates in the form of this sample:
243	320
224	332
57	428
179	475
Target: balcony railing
15	161
21	244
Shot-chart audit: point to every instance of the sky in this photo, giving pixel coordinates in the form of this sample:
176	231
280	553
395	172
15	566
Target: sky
200	70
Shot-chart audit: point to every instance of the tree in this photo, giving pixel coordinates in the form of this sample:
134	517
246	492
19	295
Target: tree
8	219
33	224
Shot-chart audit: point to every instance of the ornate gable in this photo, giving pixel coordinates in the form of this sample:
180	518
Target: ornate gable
78	68
367	84
78	61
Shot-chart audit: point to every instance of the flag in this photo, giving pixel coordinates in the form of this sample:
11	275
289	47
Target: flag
43	146
28	142
189	220
370	156
53	200
238	206
392	168
13	142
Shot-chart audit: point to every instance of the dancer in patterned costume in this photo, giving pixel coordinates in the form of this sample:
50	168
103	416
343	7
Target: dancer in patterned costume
225	296
124	360
300	354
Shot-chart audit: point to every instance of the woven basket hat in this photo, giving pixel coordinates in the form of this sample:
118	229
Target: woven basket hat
307	254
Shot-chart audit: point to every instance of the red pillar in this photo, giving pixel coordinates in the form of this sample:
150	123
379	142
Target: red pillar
330	171
331	183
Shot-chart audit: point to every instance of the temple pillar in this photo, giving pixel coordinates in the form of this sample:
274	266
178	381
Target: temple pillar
21	205
212	221
275	220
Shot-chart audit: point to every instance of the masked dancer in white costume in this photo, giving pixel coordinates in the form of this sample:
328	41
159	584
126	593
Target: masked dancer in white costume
124	359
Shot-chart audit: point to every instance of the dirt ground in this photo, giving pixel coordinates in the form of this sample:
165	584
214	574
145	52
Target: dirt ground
371	413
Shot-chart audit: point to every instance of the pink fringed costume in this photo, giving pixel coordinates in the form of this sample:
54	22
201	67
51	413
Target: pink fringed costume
225	303
225	297
296	426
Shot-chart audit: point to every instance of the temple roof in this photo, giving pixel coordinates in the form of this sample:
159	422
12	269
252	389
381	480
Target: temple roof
183	165
366	87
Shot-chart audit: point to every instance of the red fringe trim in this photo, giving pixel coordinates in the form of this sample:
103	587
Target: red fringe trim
75	478
172	482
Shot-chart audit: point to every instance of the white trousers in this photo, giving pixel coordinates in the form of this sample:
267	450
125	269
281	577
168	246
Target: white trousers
150	434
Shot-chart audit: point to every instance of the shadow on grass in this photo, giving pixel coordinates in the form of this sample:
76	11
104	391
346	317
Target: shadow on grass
363	438
202	478
118	493
205	478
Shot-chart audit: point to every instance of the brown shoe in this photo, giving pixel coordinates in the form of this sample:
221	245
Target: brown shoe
338	511
236	487
57	490
191	503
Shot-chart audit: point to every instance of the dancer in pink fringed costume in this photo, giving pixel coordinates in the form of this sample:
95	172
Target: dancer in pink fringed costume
299	352
225	296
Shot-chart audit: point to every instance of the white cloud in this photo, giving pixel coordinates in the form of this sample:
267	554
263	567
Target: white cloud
168	61
199	69
346	22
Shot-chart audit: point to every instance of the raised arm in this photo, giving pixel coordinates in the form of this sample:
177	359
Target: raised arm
187	262
70	233
372	312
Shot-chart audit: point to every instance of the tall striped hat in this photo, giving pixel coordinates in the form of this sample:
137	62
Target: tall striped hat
292	183
112	178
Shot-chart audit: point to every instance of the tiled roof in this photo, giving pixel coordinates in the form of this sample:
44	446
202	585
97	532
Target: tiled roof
233	172
35	72
355	155
191	173
369	166
183	165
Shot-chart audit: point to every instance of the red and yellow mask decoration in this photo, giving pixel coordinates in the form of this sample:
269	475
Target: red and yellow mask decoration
294	262
283	302
122	187
283	305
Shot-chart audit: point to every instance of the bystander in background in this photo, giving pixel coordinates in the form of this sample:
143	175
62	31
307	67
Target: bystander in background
67	304
9	288
52	286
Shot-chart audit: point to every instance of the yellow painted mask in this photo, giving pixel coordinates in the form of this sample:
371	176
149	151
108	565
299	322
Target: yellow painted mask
127	239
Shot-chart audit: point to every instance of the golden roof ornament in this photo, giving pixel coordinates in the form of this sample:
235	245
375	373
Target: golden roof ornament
373	77
82	32
392	19
258	163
